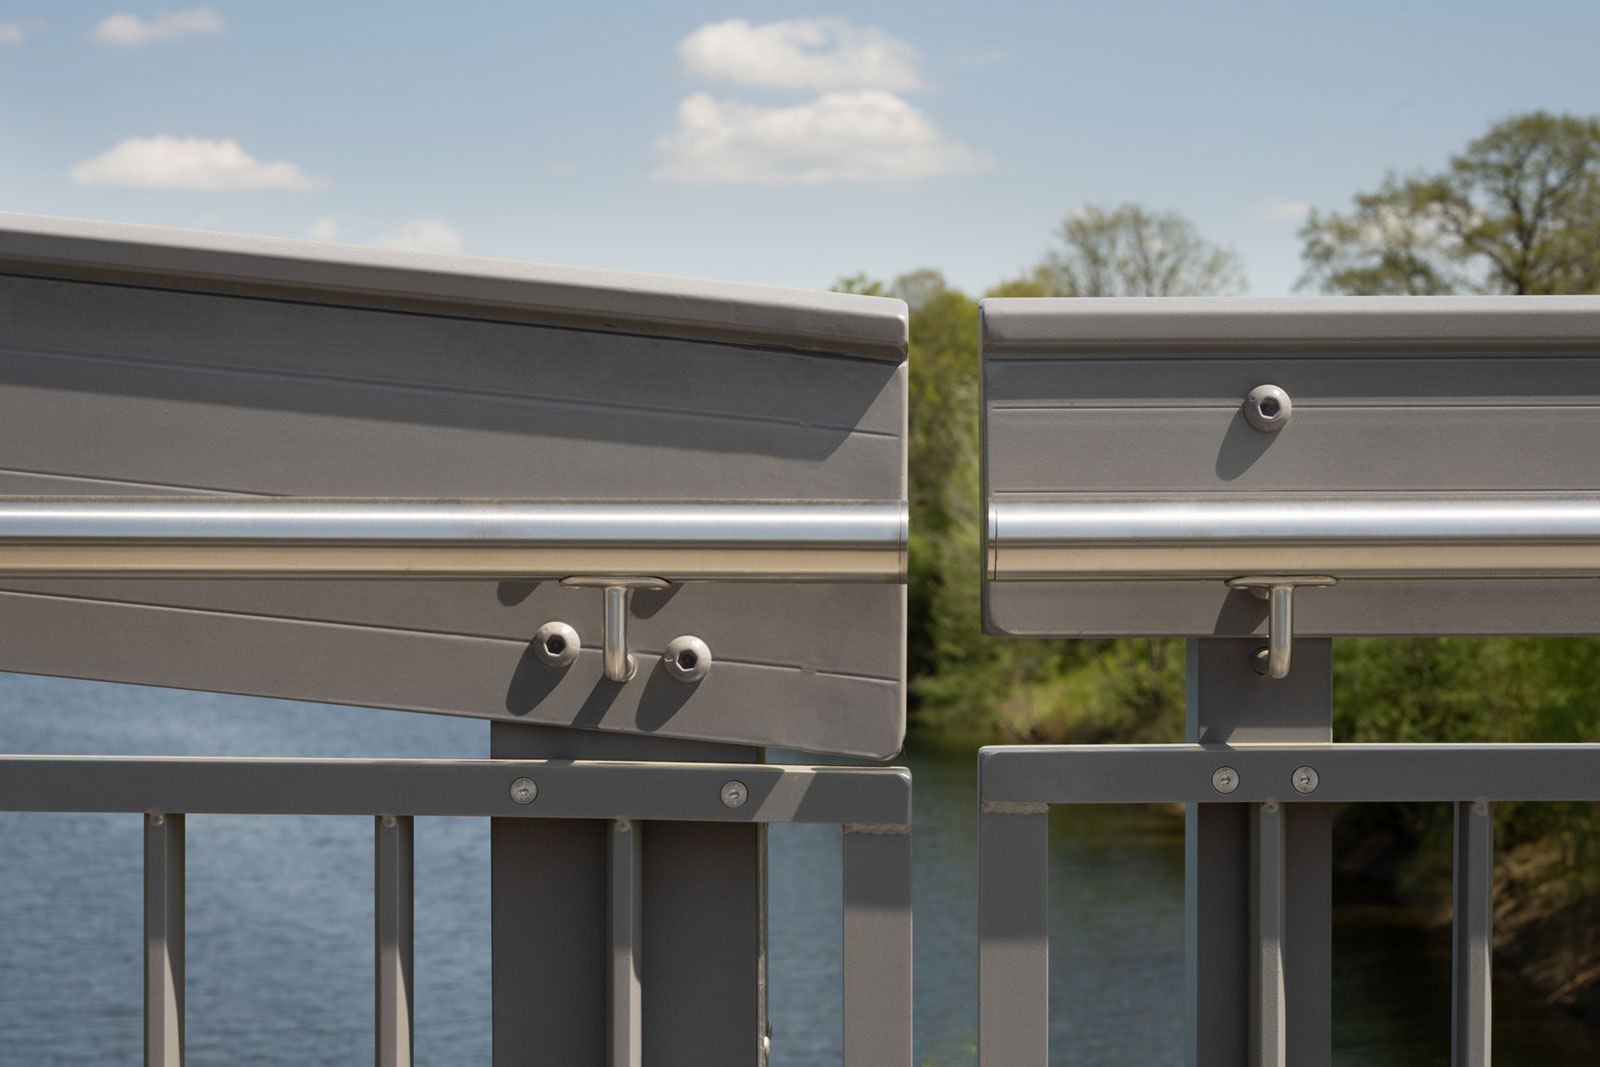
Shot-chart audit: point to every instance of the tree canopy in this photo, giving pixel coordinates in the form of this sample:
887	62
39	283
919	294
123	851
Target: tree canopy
1131	251
1518	211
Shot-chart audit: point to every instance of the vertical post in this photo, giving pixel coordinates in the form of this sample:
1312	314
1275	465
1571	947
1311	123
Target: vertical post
1229	703
626	1048
619	666
877	946
1014	935
702	953
1266	927
394	1028
1472	927
163	939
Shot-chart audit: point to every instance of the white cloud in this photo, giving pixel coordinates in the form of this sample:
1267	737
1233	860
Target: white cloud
324	229
12	33
131	31
860	136
189	163
800	54
421	235
1274	208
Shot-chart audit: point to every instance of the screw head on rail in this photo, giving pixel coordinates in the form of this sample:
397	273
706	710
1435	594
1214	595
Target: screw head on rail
1225	779
556	645
1304	779
158	819
1268	408
686	659
523	790
734	794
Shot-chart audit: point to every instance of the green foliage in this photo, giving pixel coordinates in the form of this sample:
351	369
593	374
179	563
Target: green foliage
1517	212
1460	690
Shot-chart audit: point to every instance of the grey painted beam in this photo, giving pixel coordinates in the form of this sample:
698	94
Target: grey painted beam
1229	703
613	301
1187	326
163	939
877	946
1472	927
394	1026
583	789
1268	1014
1013	936
701	956
1156	774
625	1042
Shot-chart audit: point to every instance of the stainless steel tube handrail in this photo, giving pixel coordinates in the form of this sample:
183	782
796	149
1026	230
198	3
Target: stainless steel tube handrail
232	537
1463	536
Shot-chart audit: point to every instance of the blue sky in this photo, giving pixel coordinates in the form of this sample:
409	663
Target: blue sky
781	143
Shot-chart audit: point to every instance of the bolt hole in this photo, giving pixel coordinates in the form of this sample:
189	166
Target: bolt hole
1269	407
687	660
555	645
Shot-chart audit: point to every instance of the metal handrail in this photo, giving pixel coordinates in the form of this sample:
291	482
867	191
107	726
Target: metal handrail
222	537
1465	536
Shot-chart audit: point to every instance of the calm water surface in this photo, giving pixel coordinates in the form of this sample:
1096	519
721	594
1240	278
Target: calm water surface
280	916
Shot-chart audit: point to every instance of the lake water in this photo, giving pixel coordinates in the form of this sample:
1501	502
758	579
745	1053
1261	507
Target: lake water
280	916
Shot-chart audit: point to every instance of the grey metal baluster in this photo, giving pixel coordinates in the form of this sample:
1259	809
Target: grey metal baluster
625	1043
394	1026
877	946
1472	926
1267	1016
1013	936
163	939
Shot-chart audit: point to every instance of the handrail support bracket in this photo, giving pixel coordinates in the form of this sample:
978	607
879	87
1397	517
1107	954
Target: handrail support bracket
1278	591
620	665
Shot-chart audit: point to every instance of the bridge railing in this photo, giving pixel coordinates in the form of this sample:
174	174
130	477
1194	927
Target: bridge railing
1018	784
871	805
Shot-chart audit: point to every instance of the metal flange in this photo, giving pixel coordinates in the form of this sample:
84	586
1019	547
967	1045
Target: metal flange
1278	591
619	664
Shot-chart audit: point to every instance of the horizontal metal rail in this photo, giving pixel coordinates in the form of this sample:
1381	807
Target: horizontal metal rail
1016	785
1177	774
221	537
872	805
564	789
1501	536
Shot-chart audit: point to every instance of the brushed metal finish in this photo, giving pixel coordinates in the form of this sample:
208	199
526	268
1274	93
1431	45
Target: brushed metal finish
1278	591
1477	536
211	537
619	665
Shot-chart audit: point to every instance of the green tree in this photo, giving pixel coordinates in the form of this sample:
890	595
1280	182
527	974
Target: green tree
967	687
1129	251
1518	211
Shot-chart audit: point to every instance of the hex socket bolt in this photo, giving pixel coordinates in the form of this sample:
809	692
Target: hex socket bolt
556	644
686	659
1268	408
